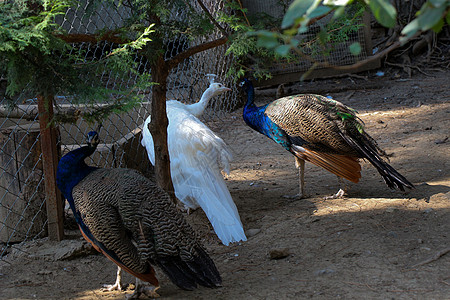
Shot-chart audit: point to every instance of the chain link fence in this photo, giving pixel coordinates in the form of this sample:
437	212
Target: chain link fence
23	215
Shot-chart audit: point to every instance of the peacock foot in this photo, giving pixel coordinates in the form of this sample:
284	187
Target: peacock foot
144	289
340	194
117	286
112	287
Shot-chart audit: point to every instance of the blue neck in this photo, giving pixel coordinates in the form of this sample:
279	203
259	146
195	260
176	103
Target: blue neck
252	114
256	118
250	94
71	170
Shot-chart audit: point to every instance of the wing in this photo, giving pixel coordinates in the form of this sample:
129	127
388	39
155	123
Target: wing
198	156
135	221
313	122
102	225
147	141
175	111
315	127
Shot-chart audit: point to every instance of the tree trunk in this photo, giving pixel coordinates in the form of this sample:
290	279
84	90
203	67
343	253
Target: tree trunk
158	126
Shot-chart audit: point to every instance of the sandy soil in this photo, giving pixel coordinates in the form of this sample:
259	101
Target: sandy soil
373	244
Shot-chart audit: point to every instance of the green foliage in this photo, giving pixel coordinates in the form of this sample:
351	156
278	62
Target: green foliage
297	14
291	40
301	13
384	12
172	18
27	42
247	53
430	16
355	48
36	59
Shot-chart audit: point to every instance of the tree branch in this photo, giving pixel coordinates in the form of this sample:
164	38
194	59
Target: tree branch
224	32
171	63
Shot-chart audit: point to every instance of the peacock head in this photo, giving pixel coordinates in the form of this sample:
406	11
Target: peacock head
92	139
218	88
246	84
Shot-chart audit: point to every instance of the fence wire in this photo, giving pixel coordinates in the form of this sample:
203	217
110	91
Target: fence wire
23	215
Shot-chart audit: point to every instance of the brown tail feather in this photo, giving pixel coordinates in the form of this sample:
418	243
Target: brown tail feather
148	277
343	166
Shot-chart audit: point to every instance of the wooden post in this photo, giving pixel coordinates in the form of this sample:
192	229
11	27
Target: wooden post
54	199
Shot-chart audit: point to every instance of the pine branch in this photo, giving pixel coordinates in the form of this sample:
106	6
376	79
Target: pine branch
224	32
92	38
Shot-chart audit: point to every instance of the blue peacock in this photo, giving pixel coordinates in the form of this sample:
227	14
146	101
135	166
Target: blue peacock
322	131
133	222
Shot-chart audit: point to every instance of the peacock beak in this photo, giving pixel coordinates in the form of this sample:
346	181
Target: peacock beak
93	139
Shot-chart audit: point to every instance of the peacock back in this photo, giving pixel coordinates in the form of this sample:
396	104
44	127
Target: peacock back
316	122
117	203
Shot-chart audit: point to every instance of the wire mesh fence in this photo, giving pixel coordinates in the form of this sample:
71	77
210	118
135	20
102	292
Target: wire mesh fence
335	52
23	215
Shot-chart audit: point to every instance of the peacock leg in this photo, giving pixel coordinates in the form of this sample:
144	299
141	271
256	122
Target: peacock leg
117	286
300	165
341	193
143	288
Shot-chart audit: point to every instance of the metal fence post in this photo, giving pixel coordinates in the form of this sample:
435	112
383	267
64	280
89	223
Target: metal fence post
54	201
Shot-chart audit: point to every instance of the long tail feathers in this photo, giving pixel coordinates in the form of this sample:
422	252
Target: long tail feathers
391	177
187	274
343	166
210	192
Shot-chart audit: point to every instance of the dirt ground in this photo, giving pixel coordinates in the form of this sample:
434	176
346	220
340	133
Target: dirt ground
373	244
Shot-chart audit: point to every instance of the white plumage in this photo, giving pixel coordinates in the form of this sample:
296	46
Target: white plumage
197	156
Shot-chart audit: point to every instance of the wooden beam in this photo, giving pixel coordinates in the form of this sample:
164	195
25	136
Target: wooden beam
54	200
319	73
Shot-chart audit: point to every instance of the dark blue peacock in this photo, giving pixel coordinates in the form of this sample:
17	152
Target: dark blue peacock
322	131
133	222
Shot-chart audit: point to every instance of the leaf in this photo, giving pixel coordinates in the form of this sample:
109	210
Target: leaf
384	12
336	2
437	3
267	39
319	12
439	25
294	42
429	18
355	48
295	11
323	36
283	50
339	12
410	29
